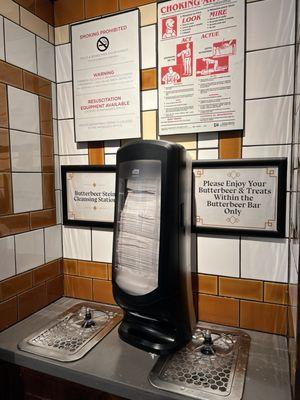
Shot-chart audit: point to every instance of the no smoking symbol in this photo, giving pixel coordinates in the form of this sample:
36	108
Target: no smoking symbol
102	43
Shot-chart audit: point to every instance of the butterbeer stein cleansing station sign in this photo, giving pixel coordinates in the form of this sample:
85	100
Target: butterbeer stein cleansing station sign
201	65
240	196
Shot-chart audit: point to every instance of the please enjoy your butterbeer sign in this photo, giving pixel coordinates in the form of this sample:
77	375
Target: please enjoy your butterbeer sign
238	197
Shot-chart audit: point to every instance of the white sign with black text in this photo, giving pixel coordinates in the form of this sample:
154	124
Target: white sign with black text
90	196
200	65
106	77
241	198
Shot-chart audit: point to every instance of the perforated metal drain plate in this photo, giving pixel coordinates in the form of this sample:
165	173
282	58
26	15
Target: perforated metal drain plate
191	373
65	340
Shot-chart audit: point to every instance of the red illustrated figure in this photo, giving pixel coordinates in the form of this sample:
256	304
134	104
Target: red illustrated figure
185	58
211	65
224	48
169	27
170	75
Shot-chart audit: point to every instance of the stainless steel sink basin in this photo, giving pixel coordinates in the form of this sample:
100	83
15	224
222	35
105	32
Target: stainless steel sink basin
71	335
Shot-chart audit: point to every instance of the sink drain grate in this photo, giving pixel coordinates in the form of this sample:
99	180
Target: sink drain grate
192	373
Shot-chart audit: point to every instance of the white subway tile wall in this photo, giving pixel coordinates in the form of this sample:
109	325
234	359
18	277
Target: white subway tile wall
53	243
148	46
33	23
27	192
63	63
29	250
7	257
66	139
25	151
23	110
45	59
2	54
102	241
77	243
64	100
20	46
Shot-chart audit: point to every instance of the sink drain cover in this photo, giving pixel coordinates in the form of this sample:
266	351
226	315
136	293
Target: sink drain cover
205	374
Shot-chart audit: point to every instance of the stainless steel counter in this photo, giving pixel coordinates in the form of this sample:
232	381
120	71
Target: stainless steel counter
118	368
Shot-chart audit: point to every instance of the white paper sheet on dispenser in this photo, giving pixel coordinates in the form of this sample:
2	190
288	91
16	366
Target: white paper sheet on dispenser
138	240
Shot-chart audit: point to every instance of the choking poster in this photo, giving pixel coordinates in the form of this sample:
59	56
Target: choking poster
200	65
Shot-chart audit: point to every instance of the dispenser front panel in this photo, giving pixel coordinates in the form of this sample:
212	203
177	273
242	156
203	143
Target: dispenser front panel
138	226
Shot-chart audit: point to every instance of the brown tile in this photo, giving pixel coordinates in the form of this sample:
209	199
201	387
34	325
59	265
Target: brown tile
36	84
207	284
93	8
43	218
293	295
5	194
75	286
28	4
70	266
9	313
230	144
4	150
45	116
275	292
109	269
102	292
241	288
48	191
12	224
15	285
47	153
11	75
55	288
44	9
149	79
66	12
263	317
219	310
290	323
32	301
45	272
96	153
133	3
3	107
91	269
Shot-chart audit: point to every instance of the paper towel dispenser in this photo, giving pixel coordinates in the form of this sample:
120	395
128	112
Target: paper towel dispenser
151	252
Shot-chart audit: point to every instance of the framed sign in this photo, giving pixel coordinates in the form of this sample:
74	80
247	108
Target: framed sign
106	77
88	194
245	197
201	65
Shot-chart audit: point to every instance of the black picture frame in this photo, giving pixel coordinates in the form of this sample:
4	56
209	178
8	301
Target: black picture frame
280	163
65	169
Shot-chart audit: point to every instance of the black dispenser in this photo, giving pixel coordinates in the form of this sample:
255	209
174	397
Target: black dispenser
151	250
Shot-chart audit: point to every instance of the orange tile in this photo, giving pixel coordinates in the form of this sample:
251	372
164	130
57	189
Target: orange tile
12	224
15	285
4	150
3	107
293	295
55	288
28	4
133	3
78	287
32	301
45	116
36	84
109	269
149	79
48	191
220	310
275	292
43	218
207	284
91	269
9	313
102	292
46	271
5	194
44	9
241	288
230	144
70	266
47	153
93	8
11	75
290	323
66	12
96	153
263	317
